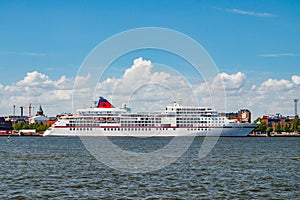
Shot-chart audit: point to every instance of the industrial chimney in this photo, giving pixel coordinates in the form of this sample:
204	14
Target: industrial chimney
21	110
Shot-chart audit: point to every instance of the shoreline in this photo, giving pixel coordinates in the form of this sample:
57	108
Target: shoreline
274	135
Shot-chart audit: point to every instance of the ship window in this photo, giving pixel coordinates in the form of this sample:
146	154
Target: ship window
174	129
105	129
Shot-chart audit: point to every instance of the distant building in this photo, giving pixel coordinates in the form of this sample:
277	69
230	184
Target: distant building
14	119
39	118
5	125
232	115
273	120
244	116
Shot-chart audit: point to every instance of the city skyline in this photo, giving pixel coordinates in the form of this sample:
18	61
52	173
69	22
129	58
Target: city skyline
255	46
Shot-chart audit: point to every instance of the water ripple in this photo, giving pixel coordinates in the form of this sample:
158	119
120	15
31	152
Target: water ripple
237	168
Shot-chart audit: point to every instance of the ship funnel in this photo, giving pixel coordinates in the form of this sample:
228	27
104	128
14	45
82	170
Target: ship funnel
103	103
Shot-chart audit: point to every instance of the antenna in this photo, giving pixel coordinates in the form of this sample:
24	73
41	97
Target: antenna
296	101
296	118
29	110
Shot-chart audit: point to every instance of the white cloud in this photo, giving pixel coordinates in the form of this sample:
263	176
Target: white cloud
22	53
278	54
296	79
82	81
251	13
145	88
230	81
275	85
141	83
37	88
275	96
33	79
271	96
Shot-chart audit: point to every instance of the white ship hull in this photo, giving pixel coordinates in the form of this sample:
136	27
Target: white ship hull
238	131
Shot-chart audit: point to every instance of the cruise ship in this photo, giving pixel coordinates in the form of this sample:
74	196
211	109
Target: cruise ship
106	120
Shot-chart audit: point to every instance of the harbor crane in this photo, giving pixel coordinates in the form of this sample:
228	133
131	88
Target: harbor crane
29	107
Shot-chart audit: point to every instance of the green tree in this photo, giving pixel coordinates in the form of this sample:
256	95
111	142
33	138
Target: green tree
277	128
291	129
293	124
285	128
269	129
257	120
262	127
19	126
37	126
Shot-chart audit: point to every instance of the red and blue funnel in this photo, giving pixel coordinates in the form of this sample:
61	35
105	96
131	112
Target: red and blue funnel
103	103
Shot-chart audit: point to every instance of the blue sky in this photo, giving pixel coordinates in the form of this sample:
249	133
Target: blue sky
258	38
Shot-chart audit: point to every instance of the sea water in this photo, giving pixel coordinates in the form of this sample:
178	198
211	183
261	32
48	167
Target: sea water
236	168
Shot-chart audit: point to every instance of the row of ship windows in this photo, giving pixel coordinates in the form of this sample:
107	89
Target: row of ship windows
157	129
136	129
152	121
127	129
81	129
194	113
201	122
82	124
139	124
147	118
146	125
158	121
199	119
